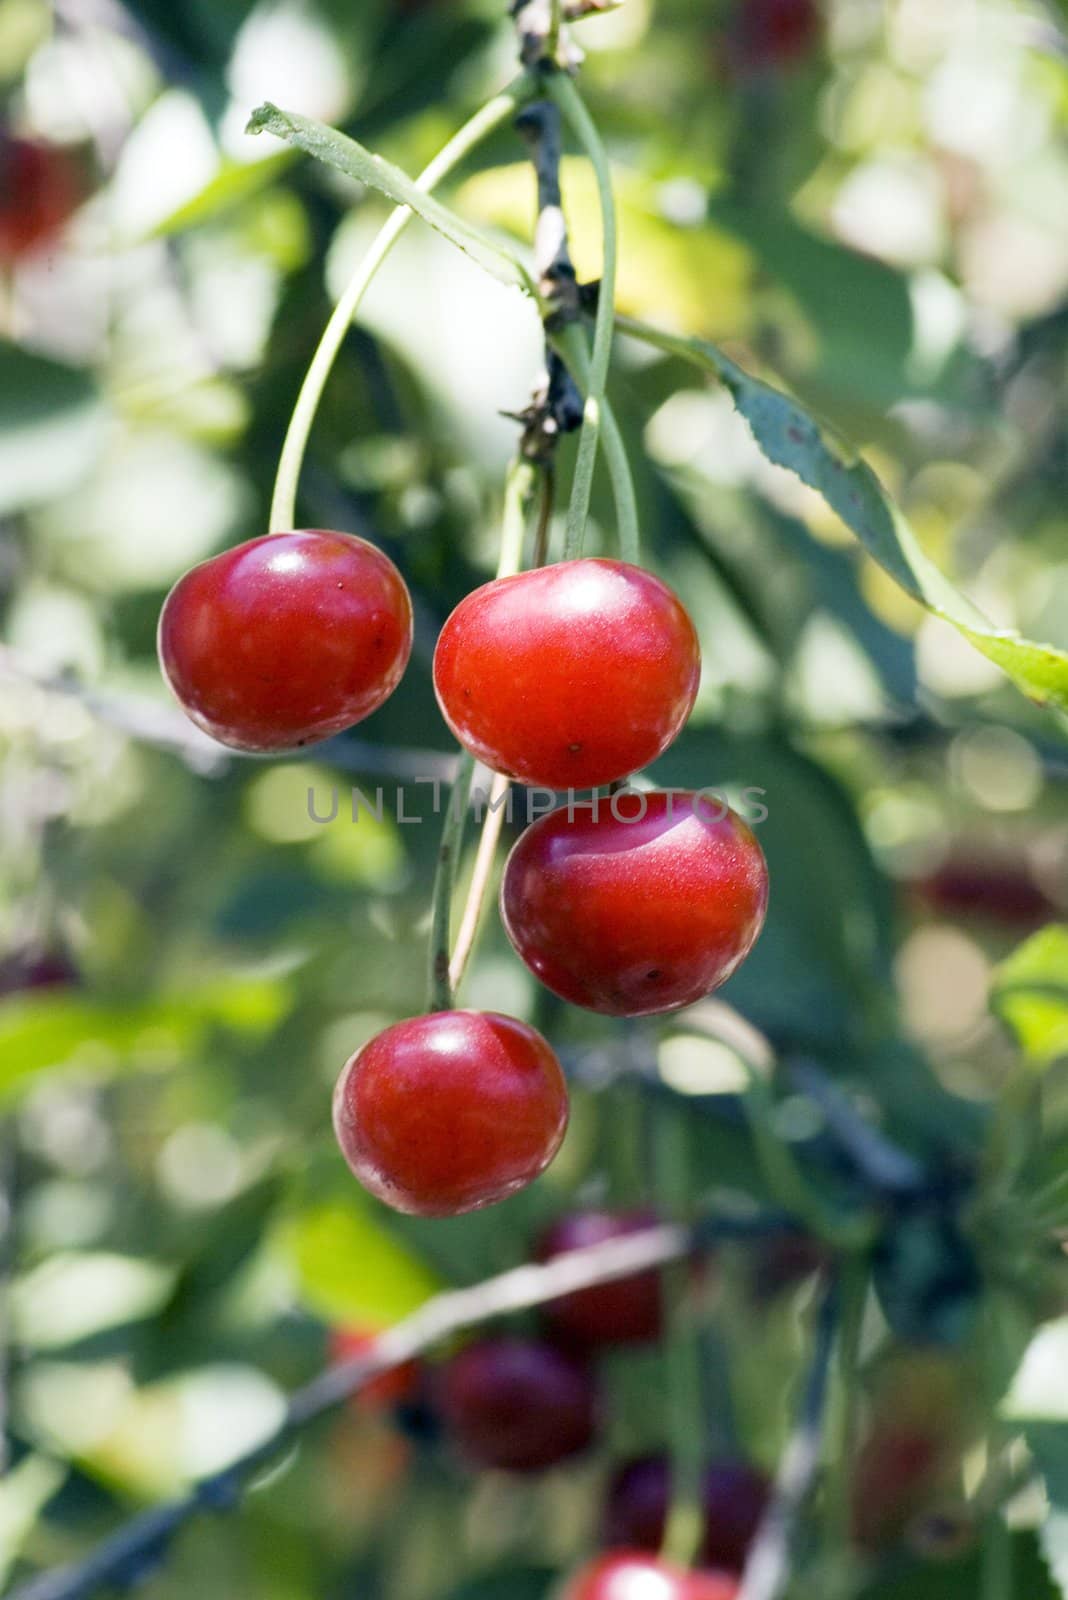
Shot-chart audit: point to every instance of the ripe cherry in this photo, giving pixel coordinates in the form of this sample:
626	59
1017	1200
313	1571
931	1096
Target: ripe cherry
517	1404
569	676
40	188
993	890
627	1311
734	1497
635	1575
286	639
774	33
641	906
450	1112
392	1388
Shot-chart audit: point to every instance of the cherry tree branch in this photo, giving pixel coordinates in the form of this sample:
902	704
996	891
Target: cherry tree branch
137	1549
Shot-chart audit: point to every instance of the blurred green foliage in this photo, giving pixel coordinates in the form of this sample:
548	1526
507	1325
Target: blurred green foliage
881	230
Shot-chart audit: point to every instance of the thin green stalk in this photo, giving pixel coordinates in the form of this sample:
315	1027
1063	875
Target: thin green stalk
452	836
519	489
483	123
546	502
996	1577
854	1296
518	492
682	1534
552	37
569	100
571	342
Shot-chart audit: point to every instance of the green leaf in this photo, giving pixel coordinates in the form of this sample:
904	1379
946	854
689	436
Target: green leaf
345	155
1038	1395
24	1492
42	1031
1038	1399
75	1294
51	427
350	1268
1030	994
790	438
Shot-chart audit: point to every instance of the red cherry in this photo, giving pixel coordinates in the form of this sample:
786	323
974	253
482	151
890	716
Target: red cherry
774	33
450	1112
634	1575
392	1388
517	1404
625	1312
286	639
40	188
569	676
734	1497
994	890
641	906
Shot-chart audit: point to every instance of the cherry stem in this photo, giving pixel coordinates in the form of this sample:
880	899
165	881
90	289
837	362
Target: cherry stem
682	1349
496	809
569	100
452	835
552	37
855	1273
571	343
546	502
446	973
484	122
996	1560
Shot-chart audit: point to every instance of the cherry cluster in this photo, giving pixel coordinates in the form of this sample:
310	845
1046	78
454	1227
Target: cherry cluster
523	1404
570	676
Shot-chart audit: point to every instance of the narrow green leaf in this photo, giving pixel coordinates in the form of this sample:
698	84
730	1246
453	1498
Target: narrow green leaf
790	438
1029	994
345	155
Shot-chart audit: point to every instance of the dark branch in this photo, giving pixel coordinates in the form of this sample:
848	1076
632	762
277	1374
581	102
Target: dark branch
556	406
883	1165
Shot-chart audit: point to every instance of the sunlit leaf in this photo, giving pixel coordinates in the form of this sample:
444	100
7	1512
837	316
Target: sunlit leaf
1030	994
39	1031
700	278
24	1492
68	1297
351	1269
